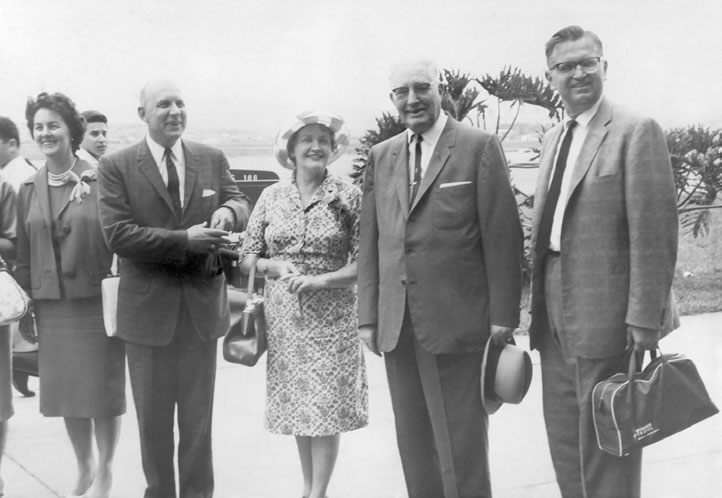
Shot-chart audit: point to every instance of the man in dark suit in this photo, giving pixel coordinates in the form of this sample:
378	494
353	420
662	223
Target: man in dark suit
439	271
604	234
157	199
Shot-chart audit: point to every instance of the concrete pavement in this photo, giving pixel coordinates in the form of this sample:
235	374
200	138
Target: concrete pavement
250	463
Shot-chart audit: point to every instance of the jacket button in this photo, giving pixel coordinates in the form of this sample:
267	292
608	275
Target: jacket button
70	274
408	250
66	229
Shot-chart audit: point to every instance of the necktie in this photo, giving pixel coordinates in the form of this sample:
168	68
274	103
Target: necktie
545	226
417	167
173	182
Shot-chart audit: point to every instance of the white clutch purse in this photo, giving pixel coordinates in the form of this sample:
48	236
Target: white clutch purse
14	301
109	291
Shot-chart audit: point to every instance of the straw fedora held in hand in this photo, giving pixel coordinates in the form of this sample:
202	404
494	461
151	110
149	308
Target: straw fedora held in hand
505	375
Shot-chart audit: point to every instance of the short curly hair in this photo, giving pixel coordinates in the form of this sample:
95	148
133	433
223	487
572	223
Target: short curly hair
61	104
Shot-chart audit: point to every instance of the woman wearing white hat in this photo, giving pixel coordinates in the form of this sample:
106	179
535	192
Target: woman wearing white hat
306	232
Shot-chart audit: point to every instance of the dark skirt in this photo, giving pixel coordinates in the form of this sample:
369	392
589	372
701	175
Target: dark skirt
82	370
6	395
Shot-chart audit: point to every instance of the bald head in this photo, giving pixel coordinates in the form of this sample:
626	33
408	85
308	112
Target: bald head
162	107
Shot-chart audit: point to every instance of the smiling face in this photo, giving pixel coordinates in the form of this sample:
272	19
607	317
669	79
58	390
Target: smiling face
312	147
579	90
51	134
415	93
95	139
163	109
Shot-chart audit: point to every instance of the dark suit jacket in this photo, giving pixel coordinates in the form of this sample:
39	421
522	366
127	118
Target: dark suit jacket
156	269
84	252
619	235
455	255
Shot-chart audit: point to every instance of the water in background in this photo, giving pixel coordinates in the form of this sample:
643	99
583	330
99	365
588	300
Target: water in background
523	177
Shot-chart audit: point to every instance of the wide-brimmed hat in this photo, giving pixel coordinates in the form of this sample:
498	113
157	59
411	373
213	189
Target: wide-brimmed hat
505	375
335	123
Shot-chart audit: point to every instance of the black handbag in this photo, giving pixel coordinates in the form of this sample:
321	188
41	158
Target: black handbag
245	342
635	409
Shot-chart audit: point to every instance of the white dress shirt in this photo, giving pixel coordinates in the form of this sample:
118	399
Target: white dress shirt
16	172
87	157
579	134
428	143
158	153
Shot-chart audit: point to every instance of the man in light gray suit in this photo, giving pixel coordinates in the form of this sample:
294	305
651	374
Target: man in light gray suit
439	273
604	234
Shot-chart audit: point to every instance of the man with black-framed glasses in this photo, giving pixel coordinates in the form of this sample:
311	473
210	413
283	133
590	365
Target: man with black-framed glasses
604	234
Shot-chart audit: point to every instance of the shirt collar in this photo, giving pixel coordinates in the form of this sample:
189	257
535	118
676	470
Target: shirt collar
584	118
158	151
431	136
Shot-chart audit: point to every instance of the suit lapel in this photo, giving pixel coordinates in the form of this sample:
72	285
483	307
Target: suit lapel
441	154
41	190
147	166
192	162
595	137
545	171
400	165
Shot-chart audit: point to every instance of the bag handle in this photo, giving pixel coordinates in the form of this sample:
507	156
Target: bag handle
114	266
252	272
632	373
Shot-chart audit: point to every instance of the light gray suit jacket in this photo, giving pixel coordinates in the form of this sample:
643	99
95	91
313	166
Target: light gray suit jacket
454	256
619	234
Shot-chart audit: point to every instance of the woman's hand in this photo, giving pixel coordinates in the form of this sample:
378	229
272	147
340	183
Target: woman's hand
300	283
27	328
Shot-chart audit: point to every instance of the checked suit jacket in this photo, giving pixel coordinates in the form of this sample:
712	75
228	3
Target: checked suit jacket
156	270
619	234
454	256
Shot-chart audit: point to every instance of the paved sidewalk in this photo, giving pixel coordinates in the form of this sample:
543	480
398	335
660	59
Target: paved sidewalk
251	463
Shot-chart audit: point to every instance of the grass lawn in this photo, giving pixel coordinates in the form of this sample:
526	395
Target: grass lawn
698	277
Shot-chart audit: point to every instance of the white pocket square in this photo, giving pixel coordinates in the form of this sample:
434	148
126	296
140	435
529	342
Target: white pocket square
454	184
208	192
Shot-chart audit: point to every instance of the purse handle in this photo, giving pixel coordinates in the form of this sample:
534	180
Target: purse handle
252	272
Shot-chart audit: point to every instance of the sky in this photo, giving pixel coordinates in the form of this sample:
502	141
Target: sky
253	64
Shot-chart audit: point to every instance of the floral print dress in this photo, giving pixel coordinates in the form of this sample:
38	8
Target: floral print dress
316	377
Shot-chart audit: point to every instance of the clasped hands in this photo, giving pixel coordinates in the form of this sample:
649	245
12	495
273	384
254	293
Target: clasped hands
297	281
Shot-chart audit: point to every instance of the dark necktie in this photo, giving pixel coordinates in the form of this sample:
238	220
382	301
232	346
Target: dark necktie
417	167
545	226
173	182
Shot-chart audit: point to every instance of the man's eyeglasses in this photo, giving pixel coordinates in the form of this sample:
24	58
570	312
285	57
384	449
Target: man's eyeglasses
589	66
419	89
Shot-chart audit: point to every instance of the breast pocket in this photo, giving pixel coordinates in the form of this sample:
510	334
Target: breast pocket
453	205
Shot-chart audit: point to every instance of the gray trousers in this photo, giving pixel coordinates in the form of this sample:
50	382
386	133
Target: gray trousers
582	469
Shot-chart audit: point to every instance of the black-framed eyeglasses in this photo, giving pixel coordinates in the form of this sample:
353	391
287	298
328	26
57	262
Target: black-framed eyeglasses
589	66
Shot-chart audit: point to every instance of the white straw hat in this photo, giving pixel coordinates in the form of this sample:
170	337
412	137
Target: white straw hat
334	123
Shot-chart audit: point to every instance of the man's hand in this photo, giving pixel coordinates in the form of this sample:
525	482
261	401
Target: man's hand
205	240
642	339
27	328
367	333
223	218
500	334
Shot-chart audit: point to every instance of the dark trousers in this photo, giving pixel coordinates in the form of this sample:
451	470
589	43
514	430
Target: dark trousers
181	374
582	469
441	425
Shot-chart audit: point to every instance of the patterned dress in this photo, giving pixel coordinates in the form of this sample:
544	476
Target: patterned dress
316	377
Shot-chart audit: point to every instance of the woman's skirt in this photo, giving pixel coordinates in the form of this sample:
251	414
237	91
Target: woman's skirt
82	370
6	395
